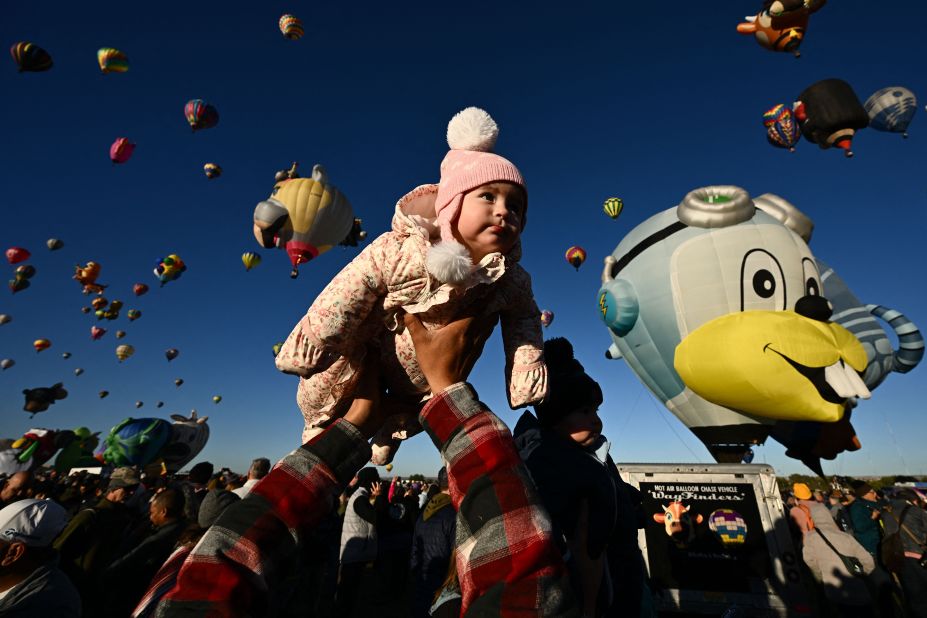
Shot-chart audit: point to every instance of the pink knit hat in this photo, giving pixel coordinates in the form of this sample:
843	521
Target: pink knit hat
471	134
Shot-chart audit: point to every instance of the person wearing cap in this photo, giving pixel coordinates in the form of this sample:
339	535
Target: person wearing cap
30	582
595	514
91	539
865	513
821	540
452	244
359	538
236	567
258	470
432	547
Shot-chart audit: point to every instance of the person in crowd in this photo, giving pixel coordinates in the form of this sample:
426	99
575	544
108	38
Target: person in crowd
906	517
258	470
490	489
195	488
595	514
432	547
839	512
31	584
865	513
213	505
359	542
127	578
15	488
822	546
89	542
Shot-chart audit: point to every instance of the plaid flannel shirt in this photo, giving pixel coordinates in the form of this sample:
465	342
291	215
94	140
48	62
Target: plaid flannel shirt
507	562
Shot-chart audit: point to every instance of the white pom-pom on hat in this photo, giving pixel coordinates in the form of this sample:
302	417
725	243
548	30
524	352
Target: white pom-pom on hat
449	262
472	129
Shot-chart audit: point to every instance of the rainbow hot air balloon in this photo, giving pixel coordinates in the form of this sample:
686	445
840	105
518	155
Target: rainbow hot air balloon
613	207
112	60
291	27
782	131
212	170
41	344
576	256
121	150
169	268
250	259
546	318
30	57
200	114
891	110
15	255
124	351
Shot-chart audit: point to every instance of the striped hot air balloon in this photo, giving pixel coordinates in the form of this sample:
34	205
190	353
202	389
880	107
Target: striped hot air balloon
576	256
291	27
250	259
782	131
613	207
30	57
112	60
41	344
891	109
200	114
212	170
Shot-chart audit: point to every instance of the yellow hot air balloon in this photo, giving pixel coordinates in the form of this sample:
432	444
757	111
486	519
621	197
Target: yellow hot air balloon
613	207
389	467
306	217
250	259
112	60
124	351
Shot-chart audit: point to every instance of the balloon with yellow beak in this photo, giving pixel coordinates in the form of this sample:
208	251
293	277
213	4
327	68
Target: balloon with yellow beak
720	308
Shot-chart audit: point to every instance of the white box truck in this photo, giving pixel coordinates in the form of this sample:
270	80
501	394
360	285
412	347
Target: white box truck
716	538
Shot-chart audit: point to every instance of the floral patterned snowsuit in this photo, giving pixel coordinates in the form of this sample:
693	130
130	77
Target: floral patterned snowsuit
356	314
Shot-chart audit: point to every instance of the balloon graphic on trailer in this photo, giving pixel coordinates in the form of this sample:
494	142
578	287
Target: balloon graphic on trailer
720	308
729	526
306	217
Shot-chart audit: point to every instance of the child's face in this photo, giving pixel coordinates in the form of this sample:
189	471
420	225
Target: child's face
490	218
582	426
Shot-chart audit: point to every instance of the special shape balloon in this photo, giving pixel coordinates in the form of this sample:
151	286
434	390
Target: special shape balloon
169	268
306	217
781	26
891	109
30	57
112	60
87	276
829	114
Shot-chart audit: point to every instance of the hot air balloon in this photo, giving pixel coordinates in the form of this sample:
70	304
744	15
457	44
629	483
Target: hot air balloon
277	347
18	284
87	276
781	26
250	259
306	217
171	354
389	467
139	404
54	244
291	27
85	309
120	334
613	207
178	382
121	150
160	404
30	57
96	332
112	60
15	255
38	399
169	268
135	442
133	314
103	394
729	526
781	128
124	351
41	344
78	371
99	302
200	114
25	271
891	109
216	398
546	318
5	318
829	114
212	170
576	256
65	355
6	363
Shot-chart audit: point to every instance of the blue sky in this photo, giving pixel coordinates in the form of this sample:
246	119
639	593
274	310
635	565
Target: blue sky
642	101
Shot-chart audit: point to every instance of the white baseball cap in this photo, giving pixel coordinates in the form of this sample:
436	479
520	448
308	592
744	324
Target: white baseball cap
35	523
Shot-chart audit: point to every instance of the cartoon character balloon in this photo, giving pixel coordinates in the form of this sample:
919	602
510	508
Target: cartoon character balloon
79	452
39	399
87	276
32	450
829	114
781	26
891	109
306	217
169	268
720	308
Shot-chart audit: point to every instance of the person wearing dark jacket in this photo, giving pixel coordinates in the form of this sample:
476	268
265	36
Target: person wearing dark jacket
864	515
432	547
595	514
908	519
30	582
127	578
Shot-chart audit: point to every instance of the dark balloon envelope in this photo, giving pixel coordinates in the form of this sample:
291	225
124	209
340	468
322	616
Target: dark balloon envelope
30	57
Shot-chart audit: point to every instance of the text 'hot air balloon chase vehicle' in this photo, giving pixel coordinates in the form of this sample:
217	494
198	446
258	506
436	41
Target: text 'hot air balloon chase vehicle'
306	217
720	308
